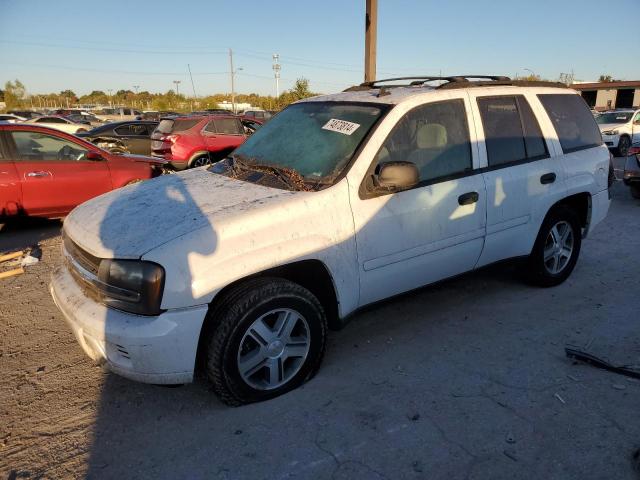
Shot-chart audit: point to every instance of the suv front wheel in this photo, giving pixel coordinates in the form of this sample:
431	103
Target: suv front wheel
556	249
268	337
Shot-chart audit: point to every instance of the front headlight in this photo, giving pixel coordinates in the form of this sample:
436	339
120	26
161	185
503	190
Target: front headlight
134	286
610	132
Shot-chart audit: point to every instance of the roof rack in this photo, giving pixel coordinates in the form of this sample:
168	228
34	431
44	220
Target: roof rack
457	81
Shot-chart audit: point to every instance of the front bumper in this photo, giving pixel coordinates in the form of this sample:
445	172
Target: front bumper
159	349
611	141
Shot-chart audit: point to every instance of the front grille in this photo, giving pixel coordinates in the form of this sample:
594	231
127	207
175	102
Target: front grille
84	258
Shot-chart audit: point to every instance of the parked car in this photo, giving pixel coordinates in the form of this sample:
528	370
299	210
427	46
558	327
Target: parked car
156	116
59	123
118	114
25	113
129	137
46	173
337	202
194	141
631	175
9	118
620	128
262	115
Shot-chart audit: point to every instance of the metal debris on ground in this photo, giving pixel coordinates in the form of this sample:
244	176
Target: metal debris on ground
600	363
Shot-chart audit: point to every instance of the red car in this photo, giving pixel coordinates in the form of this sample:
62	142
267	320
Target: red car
46	173
197	140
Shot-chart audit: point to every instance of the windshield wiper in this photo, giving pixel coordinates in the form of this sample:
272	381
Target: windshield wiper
288	176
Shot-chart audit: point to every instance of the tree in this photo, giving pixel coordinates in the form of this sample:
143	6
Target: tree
14	94
300	89
605	78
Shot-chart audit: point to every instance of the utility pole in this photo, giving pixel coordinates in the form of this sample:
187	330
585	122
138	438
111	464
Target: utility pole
177	84
276	72
192	84
370	40
136	88
110	103
233	88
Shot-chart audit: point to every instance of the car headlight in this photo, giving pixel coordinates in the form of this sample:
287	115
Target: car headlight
610	132
134	286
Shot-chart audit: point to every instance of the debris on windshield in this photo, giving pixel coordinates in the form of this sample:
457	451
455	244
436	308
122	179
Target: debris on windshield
288	176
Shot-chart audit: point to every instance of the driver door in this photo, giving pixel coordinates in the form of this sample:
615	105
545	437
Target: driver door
54	174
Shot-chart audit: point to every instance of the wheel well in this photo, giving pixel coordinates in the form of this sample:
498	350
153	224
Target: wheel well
579	203
197	155
310	274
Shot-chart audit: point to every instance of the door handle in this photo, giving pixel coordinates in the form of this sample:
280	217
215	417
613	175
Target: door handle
38	174
468	198
548	178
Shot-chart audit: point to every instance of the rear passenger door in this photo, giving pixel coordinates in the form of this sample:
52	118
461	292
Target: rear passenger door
136	137
523	177
222	135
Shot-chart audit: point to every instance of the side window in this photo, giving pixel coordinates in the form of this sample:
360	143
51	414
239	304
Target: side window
572	121
211	127
511	131
435	137
132	129
533	139
126	111
39	146
228	126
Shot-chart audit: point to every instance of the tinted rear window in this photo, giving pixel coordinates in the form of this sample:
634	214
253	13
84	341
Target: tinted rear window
228	126
180	125
573	121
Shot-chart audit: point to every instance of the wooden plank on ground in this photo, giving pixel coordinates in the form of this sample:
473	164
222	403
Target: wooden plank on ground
11	256
11	273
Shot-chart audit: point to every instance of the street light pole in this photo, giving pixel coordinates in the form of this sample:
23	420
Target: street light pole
276	71
177	84
233	88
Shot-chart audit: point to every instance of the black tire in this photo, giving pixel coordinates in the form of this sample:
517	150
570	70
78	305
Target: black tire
537	271
623	146
232	317
635	191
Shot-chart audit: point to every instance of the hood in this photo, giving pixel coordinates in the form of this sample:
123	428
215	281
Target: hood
130	221
609	126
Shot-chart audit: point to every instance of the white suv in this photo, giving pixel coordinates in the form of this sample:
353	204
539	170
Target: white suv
620	129
342	200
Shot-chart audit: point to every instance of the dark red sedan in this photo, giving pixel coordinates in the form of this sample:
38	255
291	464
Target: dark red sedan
46	173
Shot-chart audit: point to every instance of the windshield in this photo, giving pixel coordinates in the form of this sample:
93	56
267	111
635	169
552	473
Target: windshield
316	139
614	117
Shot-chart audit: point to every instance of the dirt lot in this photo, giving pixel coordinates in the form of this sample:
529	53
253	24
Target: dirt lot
465	380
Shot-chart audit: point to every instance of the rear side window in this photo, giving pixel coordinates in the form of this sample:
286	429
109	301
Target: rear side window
134	129
511	131
228	126
574	123
179	125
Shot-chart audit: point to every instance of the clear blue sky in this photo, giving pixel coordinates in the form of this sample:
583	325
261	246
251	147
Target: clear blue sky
87	45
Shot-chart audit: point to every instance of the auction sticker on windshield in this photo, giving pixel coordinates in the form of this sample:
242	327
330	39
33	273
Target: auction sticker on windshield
341	126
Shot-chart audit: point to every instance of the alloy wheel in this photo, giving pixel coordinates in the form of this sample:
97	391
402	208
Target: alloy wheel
273	349
558	247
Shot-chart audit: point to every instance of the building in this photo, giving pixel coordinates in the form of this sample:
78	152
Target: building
609	95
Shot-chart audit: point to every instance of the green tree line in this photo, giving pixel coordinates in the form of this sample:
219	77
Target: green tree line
15	96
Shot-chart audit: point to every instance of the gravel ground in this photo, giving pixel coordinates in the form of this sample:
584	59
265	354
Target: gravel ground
464	380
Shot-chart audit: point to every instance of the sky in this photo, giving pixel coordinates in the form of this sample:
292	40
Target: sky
53	45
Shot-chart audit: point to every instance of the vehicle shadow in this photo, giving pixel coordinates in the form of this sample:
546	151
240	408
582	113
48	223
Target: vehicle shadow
21	233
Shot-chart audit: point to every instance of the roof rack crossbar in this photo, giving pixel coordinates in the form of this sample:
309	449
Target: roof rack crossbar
419	80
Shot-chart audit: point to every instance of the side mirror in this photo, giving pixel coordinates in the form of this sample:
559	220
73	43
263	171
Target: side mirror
94	156
398	176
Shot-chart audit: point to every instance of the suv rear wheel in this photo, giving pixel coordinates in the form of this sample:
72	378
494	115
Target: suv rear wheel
556	249
268	337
